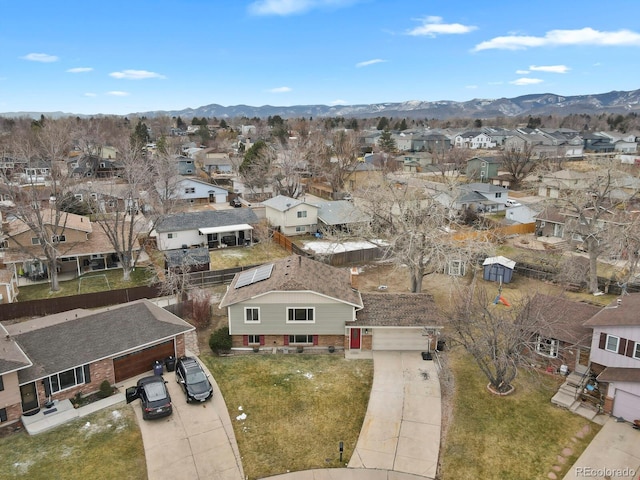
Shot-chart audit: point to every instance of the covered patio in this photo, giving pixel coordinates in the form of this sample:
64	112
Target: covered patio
228	236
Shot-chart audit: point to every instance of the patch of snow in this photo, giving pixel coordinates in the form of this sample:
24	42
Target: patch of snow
242	416
309	375
116	414
339	247
240	408
87	425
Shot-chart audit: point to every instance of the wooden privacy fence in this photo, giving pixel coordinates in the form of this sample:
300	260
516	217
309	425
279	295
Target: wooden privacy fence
494	233
215	277
288	245
49	306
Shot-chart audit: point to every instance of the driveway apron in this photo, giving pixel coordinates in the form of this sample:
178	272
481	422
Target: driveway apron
401	429
195	442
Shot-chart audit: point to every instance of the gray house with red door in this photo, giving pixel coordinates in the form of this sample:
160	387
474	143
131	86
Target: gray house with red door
298	302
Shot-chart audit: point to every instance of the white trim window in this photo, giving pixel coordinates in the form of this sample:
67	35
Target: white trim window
300	339
301	315
69	379
251	314
302	214
612	343
547	347
58	239
456	268
35	241
636	351
301	228
189	190
253	339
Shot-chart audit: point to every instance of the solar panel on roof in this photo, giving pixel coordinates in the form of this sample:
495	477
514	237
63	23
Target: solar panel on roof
256	275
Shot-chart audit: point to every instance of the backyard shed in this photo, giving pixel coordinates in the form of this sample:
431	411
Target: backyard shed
498	269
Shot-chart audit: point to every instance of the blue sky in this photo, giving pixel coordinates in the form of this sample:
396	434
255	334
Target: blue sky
119	57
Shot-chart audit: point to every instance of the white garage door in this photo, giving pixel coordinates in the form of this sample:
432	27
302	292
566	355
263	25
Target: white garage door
399	339
626	405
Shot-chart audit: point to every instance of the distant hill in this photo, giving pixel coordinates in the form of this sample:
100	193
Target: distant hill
535	105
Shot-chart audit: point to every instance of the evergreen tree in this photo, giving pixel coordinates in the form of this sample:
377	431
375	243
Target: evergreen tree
387	143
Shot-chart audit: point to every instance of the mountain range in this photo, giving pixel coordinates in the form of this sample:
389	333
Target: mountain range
535	105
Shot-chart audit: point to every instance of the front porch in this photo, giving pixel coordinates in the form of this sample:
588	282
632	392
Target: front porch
579	394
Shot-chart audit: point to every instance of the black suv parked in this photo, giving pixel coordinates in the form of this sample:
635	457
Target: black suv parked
154	397
194	382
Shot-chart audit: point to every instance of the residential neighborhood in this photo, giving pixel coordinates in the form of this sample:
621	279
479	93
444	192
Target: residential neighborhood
290	240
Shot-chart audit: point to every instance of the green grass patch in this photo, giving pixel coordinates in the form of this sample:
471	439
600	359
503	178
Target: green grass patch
298	408
91	282
106	444
514	437
224	258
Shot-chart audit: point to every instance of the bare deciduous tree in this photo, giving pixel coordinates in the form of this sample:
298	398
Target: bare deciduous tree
517	162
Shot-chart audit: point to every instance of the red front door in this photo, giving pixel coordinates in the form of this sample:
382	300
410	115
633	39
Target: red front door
355	339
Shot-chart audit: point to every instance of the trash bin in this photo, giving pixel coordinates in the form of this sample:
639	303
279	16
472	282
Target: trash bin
441	345
157	368
170	363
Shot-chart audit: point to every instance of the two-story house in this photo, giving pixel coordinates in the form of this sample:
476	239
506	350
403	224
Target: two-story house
291	216
300	303
615	355
482	168
474	139
191	191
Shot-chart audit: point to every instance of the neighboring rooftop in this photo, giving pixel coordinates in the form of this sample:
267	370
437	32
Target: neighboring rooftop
398	310
207	218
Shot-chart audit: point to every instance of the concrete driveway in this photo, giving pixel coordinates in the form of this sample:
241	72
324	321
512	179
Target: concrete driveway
195	442
613	453
401	429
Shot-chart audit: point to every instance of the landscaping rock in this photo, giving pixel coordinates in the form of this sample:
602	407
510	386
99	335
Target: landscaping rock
567	452
552	476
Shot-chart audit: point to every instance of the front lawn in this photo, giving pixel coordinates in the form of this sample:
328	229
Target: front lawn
290	412
106	444
88	283
516	437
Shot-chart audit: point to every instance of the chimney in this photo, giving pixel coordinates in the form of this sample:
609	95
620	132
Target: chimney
354	272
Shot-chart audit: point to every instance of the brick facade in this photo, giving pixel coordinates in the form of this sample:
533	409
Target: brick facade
608	405
13	413
180	346
277	341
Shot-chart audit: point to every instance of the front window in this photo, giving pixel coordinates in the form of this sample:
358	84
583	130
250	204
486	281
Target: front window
302	214
190	190
612	344
251	339
169	235
308	339
35	241
301	228
252	315
499	194
547	346
636	352
69	378
300	314
58	239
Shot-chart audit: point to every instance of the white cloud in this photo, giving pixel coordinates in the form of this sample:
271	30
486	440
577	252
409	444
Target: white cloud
80	70
583	36
40	57
432	26
135	75
549	68
293	7
279	90
526	81
369	62
522	72
90	94
117	93
338	102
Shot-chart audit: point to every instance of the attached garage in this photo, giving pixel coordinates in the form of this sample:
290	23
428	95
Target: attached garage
399	339
626	405
140	361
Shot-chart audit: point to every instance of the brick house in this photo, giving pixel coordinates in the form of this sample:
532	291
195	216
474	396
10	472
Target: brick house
57	356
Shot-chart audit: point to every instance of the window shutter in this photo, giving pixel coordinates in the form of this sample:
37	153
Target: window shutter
286	339
631	345
622	346
315	339
603	340
245	340
261	339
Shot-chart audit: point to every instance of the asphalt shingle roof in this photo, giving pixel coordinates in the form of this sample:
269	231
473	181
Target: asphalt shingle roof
297	273
208	218
11	357
397	310
624	314
70	339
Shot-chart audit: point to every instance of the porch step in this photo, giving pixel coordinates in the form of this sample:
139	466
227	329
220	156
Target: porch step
584	410
574	379
563	399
